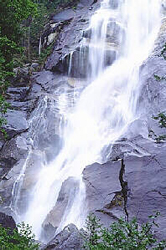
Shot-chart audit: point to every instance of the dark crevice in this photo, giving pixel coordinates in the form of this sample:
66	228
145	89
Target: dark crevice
124	185
154	158
120	197
42	85
159	192
109	213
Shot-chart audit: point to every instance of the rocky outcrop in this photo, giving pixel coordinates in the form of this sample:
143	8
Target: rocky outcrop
134	187
144	179
35	121
66	196
67	43
138	188
70	238
7	221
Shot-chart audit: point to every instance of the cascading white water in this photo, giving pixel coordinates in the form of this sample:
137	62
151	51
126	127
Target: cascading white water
104	110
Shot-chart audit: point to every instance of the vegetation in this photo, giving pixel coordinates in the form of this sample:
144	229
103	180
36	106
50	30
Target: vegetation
21	25
163	52
161	118
12	14
159	78
121	235
20	238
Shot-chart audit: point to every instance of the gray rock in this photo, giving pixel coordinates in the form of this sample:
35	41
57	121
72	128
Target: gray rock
68	239
66	196
7	221
114	4
26	106
6	188
146	181
46	79
19	93
65	15
76	63
86	2
69	37
102	188
12	151
22	77
153	92
16	123
72	65
144	175
35	66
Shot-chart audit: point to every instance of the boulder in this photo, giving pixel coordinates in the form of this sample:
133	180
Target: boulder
68	239
16	123
22	77
7	221
12	151
66	196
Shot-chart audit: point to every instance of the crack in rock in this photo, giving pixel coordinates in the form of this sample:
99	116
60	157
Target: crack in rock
124	185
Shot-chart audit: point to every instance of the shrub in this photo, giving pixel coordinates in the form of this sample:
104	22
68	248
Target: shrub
20	239
121	235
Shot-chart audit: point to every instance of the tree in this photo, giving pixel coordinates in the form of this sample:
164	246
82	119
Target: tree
12	14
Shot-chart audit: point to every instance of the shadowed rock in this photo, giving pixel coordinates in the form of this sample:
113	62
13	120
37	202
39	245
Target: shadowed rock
69	239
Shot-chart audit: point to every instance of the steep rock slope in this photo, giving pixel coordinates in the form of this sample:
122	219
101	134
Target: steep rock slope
134	188
34	120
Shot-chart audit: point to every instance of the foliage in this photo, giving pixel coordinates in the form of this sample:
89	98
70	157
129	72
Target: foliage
20	238
163	51
159	78
121	235
12	13
160	138
7	48
161	117
21	25
45	53
44	9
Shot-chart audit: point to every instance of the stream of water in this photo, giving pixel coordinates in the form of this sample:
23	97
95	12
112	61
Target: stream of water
122	35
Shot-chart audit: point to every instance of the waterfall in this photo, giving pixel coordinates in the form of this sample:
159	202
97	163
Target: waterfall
121	36
40	45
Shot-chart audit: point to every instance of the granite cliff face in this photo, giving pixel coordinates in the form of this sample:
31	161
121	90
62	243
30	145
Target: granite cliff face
138	187
134	186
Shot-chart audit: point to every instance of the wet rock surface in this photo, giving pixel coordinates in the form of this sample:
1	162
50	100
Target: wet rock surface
66	196
112	192
143	178
73	22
